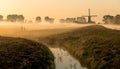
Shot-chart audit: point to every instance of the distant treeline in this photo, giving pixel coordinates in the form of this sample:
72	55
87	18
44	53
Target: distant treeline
21	18
109	19
73	20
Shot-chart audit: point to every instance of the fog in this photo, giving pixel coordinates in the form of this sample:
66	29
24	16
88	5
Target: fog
39	30
110	26
35	30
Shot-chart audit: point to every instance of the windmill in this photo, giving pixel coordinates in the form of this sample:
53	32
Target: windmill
90	16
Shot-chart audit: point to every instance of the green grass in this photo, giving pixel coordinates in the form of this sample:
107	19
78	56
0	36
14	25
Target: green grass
96	47
18	53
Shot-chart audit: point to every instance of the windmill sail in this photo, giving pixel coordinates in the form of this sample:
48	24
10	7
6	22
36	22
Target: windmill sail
89	16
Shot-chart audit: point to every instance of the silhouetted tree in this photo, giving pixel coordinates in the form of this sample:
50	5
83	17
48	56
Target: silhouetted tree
81	20
73	20
12	18
70	20
20	18
117	19
48	19
1	17
108	19
38	19
15	17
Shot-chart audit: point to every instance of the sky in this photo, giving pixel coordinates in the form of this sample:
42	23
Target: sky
59	8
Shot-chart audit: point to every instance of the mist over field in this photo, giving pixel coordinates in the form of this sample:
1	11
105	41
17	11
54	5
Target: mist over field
66	32
40	29
59	34
35	30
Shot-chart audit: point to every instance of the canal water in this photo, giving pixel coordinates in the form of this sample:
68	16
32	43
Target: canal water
63	60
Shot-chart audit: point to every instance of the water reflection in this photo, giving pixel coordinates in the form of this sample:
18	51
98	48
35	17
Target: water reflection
64	60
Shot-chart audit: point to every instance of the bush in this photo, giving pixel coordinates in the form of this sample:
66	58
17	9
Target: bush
17	53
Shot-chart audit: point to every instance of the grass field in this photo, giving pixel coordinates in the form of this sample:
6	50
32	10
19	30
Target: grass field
94	46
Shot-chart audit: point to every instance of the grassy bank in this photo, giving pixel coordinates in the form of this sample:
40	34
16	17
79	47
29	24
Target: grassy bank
96	47
17	53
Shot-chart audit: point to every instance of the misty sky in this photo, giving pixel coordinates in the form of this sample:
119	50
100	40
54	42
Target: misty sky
59	8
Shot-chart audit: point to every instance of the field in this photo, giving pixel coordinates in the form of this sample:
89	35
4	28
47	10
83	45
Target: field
94	46
17	52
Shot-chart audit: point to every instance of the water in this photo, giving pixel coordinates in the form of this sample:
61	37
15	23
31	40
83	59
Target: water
63	60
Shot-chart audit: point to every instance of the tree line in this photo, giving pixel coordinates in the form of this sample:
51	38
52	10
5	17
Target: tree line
109	19
74	20
38	19
21	18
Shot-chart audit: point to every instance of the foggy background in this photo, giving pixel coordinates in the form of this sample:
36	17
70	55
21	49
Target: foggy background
59	8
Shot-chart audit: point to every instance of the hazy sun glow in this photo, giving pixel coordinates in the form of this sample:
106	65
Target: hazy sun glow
59	8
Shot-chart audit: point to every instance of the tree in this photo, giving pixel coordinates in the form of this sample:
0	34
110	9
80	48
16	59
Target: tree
20	18
48	19
1	17
15	17
12	18
108	19
70	20
38	19
81	20
117	19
